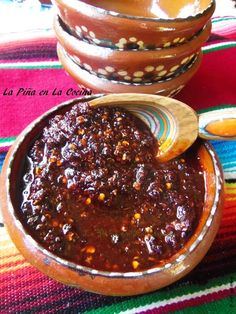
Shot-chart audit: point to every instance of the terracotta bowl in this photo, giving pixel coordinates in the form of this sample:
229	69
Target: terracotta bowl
130	66
166	87
109	283
121	31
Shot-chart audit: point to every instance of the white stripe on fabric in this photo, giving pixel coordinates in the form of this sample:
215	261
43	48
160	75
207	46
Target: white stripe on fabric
219	45
182	298
7	143
35	64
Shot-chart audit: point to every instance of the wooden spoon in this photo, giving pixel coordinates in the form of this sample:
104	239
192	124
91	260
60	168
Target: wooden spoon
174	124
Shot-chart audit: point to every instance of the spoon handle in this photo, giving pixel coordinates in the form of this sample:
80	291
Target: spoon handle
218	124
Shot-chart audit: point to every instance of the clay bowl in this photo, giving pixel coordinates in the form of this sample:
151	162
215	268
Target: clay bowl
109	283
168	87
130	66
121	31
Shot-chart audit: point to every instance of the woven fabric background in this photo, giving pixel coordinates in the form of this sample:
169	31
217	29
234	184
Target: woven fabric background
30	62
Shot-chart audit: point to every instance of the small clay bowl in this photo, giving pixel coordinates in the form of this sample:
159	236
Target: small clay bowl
130	66
103	282
165	87
120	31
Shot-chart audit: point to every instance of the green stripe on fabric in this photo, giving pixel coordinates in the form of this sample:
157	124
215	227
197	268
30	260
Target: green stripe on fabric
163	294
7	139
226	305
223	19
216	108
30	66
217	47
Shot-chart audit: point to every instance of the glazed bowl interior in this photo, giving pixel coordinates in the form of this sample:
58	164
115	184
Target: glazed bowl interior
139	12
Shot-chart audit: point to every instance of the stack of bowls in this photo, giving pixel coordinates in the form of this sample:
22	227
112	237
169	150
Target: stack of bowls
130	49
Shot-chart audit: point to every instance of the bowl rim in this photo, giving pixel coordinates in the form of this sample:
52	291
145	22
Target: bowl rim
73	4
178	257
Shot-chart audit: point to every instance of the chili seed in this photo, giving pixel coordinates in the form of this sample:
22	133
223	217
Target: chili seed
124	156
83	141
89	259
72	147
59	163
55	223
81	131
80	119
137	186
124	228
135	264
101	197
137	216
90	249
70	236
52	159
38	171
149	229
64	179
88	201
168	185
126	143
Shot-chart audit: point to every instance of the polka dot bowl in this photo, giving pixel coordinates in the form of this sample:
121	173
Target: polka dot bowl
166	87
121	31
130	66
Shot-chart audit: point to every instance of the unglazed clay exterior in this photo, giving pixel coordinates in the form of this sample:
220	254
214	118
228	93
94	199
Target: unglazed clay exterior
120	31
109	283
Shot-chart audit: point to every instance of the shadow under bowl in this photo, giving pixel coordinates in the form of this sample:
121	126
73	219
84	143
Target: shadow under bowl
130	66
108	283
111	29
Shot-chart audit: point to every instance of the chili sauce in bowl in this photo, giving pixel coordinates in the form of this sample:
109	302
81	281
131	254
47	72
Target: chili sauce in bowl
85	201
95	195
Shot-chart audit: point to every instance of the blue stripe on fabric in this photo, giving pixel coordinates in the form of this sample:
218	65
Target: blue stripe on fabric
2	157
226	150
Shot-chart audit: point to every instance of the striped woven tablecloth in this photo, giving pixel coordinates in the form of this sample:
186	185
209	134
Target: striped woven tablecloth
29	62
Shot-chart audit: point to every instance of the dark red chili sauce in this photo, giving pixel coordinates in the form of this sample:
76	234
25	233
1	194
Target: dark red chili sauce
95	195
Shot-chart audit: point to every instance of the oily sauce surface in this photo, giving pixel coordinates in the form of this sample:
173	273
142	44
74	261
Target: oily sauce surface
95	195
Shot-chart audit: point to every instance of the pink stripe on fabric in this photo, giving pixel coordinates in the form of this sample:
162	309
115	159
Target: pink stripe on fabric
214	83
4	149
20	274
56	292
